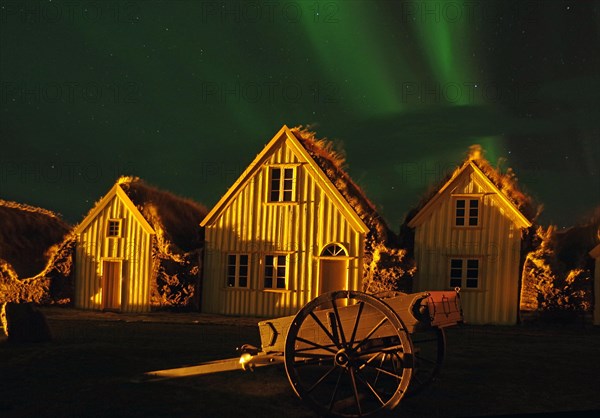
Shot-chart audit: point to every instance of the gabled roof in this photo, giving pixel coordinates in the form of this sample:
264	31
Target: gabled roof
115	191
469	167
173	219
286	135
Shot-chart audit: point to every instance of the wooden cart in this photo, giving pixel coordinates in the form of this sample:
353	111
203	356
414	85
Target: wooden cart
349	353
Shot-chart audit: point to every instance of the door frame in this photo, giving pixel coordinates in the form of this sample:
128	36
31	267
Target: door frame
345	258
104	301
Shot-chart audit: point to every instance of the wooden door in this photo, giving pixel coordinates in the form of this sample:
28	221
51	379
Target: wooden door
111	285
334	275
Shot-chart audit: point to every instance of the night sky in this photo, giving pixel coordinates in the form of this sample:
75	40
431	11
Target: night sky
185	93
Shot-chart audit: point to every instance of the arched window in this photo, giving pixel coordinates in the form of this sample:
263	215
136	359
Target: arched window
334	250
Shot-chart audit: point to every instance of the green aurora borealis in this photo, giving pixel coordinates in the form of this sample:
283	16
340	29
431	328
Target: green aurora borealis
185	93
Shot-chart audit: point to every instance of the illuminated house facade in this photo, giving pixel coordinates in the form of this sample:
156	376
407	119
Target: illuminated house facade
113	259
137	249
281	235
468	235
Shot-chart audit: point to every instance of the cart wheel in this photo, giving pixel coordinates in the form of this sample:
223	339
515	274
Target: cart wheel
429	346
348	354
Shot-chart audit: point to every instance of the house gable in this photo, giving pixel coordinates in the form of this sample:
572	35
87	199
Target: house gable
469	179
115	192
287	138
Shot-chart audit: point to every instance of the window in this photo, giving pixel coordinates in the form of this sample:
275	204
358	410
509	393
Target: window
464	273
467	212
333	250
275	271
237	270
113	228
281	184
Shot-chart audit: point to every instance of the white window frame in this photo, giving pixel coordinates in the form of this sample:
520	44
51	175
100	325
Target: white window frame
281	190
468	208
109	223
237	266
275	276
465	269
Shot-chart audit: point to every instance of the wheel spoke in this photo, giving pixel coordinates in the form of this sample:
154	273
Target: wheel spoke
375	328
321	379
373	391
356	321
391	349
337	385
355	389
339	322
318	321
380	365
315	345
382	370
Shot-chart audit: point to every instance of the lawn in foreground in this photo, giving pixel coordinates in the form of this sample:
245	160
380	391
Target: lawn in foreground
91	366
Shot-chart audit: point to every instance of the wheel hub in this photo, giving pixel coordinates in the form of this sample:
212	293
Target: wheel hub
343	358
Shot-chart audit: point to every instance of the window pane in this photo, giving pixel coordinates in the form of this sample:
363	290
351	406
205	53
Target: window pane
472	221
455	273
230	281
275	182
460	203
280	283
460	212
287	196
456	263
460	221
268	282
472	264
473	212
455	283
243	260
269	260
268	271
474	203
472	274
281	271
243	282
281	260
243	271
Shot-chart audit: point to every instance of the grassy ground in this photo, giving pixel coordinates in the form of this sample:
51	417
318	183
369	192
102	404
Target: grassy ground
90	367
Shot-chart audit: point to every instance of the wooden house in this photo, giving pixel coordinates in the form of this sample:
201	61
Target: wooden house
468	235
595	253
291	227
128	242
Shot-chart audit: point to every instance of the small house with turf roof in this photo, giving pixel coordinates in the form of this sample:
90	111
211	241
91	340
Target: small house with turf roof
138	249
467	235
291	227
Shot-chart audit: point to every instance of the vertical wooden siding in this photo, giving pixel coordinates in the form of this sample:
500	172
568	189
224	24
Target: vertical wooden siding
496	243
133	248
300	229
